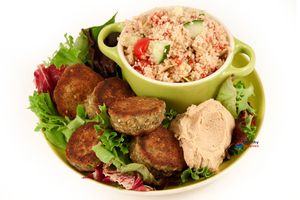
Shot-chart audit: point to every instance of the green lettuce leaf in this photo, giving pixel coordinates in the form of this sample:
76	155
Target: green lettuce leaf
242	97
56	137
234	97
57	129
105	123
116	158
147	177
169	117
201	172
227	96
50	122
80	119
114	146
70	53
96	29
66	55
42	105
82	44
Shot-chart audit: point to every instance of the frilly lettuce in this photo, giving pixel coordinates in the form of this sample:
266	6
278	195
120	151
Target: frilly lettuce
147	177
169	117
113	146
234	97
227	96
71	52
57	129
201	172
242	97
250	132
66	55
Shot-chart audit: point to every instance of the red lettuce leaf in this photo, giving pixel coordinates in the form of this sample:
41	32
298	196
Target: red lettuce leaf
45	79
128	181
55	73
42	79
237	135
98	174
245	114
102	64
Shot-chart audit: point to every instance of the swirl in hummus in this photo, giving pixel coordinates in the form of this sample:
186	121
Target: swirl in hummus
204	132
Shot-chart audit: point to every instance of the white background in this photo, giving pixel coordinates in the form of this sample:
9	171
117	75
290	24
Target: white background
32	30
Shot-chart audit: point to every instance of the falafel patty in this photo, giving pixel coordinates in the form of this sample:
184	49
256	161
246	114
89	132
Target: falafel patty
72	89
107	91
137	115
79	148
159	151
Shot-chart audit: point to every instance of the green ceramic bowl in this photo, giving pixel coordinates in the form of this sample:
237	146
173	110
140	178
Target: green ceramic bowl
257	101
178	96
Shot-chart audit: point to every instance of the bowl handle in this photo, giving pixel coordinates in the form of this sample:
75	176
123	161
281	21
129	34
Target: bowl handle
111	52
241	47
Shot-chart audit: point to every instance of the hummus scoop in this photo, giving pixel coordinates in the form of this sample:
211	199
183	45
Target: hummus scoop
204	132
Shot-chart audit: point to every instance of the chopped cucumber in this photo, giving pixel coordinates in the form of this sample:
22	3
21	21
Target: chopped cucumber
131	40
195	27
178	11
160	51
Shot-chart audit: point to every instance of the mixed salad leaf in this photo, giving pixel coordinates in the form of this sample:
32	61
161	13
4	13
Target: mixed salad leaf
96	29
50	121
114	146
242	97
66	55
101	63
227	96
249	135
147	177
234	97
130	181
201	172
45	79
169	117
84	50
57	129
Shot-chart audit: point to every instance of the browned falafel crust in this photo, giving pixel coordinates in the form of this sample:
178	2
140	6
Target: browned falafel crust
72	89
79	148
159	151
106	92
137	115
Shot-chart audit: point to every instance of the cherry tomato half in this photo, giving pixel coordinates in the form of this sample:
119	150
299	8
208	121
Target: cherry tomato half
144	63
141	64
140	47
